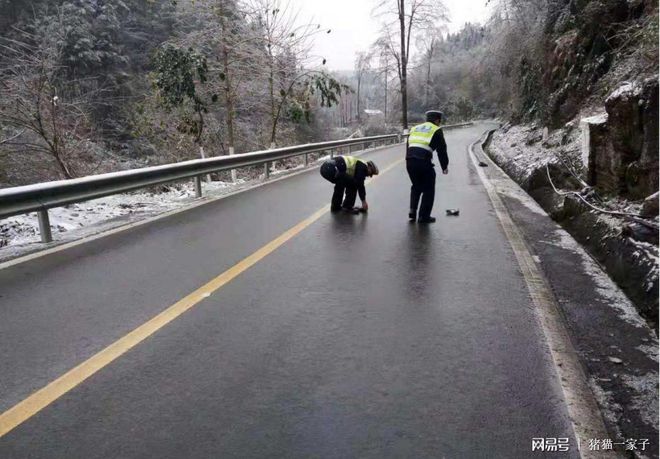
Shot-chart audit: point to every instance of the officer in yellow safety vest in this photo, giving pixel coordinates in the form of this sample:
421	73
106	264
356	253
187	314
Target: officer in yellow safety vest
422	141
348	174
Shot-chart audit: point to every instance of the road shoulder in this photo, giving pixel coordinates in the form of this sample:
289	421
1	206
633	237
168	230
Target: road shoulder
616	347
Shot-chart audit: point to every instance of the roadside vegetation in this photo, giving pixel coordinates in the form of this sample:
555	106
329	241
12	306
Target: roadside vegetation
89	87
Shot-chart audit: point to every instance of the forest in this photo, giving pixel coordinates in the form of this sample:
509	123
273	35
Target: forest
532	60
94	86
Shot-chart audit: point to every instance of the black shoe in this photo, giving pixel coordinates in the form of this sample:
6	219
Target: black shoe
412	216
335	209
351	210
427	220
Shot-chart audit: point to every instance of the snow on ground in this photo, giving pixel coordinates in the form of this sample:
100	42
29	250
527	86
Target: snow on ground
645	404
606	288
511	189
526	149
520	147
646	386
19	235
606	398
650	251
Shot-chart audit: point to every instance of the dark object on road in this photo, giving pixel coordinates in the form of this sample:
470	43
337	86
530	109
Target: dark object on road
352	210
453	212
427	220
482	164
412	216
361	210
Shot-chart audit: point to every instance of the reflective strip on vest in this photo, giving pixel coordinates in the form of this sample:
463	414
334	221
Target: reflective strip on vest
350	161
420	136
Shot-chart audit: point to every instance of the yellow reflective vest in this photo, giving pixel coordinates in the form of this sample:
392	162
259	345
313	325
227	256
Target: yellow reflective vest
420	136
351	162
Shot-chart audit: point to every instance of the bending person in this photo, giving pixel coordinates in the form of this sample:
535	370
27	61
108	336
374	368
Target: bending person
348	174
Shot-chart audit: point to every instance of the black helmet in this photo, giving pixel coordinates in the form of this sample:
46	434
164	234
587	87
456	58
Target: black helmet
433	115
329	170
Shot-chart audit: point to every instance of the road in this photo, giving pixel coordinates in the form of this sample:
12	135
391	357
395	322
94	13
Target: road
355	336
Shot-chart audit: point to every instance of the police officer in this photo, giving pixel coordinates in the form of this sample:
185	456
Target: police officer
422	141
348	174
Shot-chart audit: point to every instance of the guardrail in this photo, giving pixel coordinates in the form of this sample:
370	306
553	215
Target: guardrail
43	196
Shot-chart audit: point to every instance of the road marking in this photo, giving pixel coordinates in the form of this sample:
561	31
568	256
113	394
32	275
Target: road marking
586	418
43	397
59	246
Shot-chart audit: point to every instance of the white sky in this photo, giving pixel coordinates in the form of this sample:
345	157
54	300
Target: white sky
354	28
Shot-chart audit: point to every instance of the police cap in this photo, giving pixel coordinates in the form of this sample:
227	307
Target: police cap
373	169
433	115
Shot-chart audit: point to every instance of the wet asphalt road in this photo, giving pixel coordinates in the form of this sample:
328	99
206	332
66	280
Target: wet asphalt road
363	336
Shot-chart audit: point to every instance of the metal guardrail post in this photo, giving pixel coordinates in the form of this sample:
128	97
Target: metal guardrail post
306	159
332	153
44	226
266	170
198	186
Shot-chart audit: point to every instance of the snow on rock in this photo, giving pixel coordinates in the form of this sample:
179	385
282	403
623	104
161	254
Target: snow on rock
649	251
523	152
595	119
627	89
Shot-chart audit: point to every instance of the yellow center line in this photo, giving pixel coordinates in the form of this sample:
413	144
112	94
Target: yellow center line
43	397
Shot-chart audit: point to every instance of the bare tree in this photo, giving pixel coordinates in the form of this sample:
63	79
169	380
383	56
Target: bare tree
39	112
362	66
286	43
408	17
428	44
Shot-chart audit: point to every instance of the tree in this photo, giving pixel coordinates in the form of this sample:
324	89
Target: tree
286	45
382	52
362	65
412	17
42	112
428	44
178	72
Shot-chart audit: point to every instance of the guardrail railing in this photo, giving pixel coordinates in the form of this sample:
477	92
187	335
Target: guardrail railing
43	196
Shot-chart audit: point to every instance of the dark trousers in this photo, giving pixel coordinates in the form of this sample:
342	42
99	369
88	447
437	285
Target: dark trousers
351	192
422	176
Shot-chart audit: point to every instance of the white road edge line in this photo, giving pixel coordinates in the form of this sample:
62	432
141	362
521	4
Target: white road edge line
205	200
583	410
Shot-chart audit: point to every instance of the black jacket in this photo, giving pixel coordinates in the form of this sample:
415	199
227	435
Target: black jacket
438	144
361	171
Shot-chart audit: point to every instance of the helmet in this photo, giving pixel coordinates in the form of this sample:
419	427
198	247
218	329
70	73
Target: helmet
329	170
433	115
372	168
